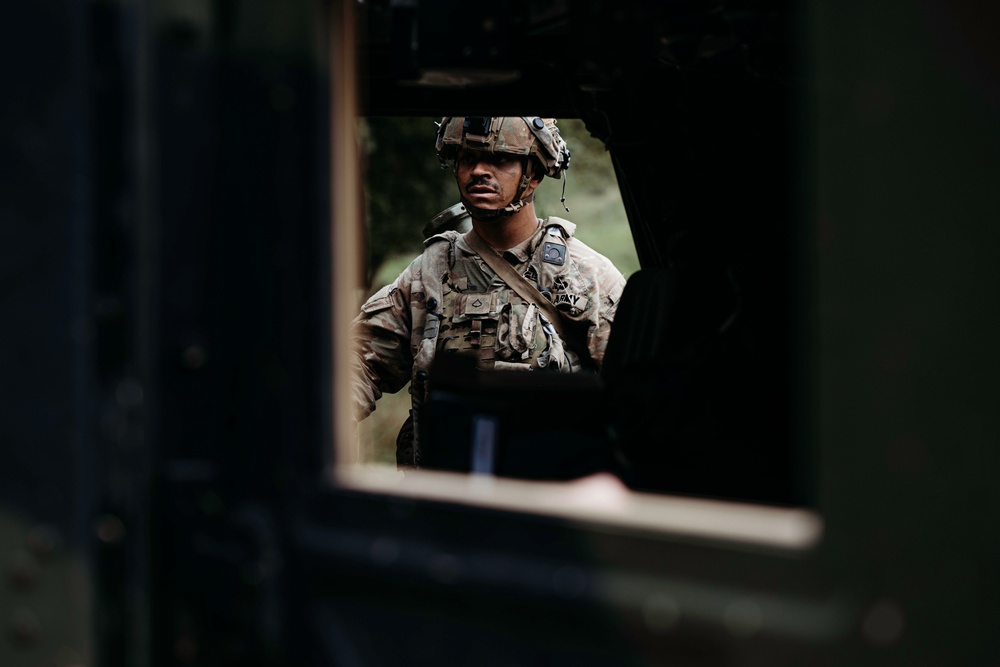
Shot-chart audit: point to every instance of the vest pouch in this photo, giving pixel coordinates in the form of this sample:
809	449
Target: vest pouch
516	338
475	306
525	335
471	325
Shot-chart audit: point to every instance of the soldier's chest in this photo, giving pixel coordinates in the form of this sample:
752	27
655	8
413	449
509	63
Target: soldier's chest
472	291
470	275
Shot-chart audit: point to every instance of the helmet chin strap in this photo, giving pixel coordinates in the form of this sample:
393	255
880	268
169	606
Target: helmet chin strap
493	213
517	203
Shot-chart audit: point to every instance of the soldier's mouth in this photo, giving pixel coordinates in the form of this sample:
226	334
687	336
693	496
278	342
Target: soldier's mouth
480	188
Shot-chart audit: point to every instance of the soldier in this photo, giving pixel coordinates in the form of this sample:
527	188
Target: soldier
517	292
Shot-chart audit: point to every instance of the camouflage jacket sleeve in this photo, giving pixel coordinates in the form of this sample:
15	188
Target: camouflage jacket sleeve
381	334
591	279
606	286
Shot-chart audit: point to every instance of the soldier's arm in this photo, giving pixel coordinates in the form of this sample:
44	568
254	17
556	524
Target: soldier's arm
610	283
381	335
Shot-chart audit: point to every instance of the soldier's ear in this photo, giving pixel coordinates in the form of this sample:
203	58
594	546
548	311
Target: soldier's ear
532	184
535	173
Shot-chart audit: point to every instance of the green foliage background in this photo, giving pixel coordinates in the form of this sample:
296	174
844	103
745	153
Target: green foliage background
405	187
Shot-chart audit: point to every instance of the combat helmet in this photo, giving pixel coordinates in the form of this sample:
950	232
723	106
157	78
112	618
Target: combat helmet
521	136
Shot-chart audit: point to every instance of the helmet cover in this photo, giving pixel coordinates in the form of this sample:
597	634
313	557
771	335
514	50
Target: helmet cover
521	136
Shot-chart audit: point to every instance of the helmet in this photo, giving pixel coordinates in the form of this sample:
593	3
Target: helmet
521	136
515	135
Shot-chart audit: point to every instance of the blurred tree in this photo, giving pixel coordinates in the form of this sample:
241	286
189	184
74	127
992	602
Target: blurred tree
405	185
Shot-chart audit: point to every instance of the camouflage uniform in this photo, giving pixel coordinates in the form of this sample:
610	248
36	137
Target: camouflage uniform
449	299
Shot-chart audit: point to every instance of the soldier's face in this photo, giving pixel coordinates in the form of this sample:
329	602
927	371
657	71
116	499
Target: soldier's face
489	180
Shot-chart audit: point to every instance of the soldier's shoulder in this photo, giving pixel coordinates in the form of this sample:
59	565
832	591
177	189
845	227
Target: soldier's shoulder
580	252
596	264
583	253
450	235
568	228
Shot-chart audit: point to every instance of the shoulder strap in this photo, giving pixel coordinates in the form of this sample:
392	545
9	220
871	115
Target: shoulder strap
524	288
568	227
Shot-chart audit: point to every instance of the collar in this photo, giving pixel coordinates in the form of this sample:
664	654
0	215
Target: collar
526	248
519	253
523	251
